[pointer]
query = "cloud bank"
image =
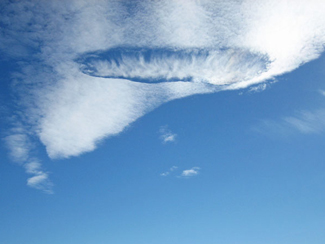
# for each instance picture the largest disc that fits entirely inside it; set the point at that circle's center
(88, 70)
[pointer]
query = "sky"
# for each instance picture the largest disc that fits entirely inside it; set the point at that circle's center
(162, 122)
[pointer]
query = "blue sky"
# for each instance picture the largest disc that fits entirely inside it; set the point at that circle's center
(174, 122)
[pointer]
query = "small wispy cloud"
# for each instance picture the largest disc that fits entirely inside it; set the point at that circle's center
(166, 135)
(20, 147)
(306, 122)
(322, 92)
(190, 172)
(173, 168)
(187, 173)
(258, 88)
(40, 179)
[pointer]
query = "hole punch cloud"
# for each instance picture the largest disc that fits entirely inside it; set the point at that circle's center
(215, 66)
(87, 71)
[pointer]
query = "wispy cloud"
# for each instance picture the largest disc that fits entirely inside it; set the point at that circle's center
(40, 179)
(258, 88)
(190, 172)
(175, 49)
(20, 147)
(173, 168)
(322, 92)
(166, 135)
(187, 173)
(306, 122)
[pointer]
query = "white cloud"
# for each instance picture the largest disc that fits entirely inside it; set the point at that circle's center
(289, 32)
(190, 172)
(213, 47)
(167, 135)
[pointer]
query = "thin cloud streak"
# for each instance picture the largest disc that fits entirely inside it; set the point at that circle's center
(308, 122)
(322, 92)
(305, 122)
(258, 88)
